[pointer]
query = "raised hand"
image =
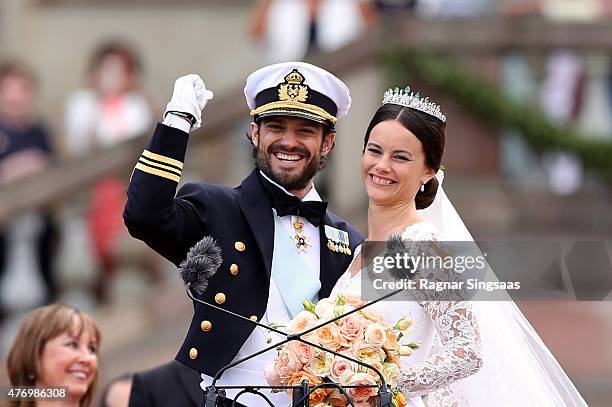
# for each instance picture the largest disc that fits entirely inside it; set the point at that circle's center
(189, 97)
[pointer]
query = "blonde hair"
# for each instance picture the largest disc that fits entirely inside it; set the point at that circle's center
(37, 328)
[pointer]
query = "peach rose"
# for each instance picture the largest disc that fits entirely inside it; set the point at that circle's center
(372, 316)
(391, 342)
(328, 336)
(359, 395)
(325, 308)
(297, 378)
(391, 373)
(351, 329)
(320, 364)
(340, 367)
(272, 376)
(303, 351)
(317, 396)
(287, 364)
(375, 335)
(368, 353)
(337, 399)
(393, 356)
(375, 364)
(302, 322)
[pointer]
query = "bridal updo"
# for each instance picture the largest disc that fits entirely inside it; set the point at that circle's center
(431, 133)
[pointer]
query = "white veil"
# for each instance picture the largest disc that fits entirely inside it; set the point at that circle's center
(518, 369)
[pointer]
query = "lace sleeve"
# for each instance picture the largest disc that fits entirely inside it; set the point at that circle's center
(460, 355)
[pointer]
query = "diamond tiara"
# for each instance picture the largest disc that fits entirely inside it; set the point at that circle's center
(405, 97)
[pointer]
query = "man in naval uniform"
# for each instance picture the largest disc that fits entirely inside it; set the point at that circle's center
(279, 243)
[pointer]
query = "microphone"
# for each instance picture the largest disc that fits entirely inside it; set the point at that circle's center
(202, 262)
(396, 245)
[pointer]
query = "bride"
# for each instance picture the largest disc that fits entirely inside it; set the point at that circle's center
(471, 353)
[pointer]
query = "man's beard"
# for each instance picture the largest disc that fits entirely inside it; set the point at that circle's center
(289, 181)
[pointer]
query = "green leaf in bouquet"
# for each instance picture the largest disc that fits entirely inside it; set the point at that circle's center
(308, 305)
(340, 301)
(414, 345)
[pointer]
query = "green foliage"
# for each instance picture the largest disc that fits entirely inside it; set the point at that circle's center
(486, 101)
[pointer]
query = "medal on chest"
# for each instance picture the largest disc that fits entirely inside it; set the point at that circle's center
(299, 236)
(337, 240)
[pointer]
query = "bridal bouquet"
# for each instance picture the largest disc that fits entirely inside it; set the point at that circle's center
(363, 335)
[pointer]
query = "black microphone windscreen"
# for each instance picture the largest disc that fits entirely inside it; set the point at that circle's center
(202, 262)
(395, 244)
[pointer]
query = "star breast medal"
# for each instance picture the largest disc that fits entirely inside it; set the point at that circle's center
(299, 237)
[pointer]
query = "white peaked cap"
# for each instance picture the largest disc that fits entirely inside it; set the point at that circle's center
(297, 89)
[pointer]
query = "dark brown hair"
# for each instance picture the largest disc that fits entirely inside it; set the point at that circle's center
(37, 328)
(119, 48)
(430, 132)
(12, 68)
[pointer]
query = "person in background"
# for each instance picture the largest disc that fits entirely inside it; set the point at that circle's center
(117, 392)
(111, 110)
(27, 241)
(56, 346)
(293, 29)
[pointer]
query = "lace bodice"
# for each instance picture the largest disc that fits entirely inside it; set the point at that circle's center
(446, 330)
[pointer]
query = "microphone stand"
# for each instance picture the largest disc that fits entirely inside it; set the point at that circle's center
(384, 393)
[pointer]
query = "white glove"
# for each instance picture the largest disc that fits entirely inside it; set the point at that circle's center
(190, 96)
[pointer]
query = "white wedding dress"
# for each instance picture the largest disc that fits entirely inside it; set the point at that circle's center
(476, 354)
(446, 331)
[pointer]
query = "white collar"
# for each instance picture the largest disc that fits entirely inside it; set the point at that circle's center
(312, 195)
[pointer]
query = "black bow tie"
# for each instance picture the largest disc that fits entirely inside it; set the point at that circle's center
(313, 211)
(285, 204)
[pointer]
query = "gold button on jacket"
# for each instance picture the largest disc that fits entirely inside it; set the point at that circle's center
(206, 326)
(234, 269)
(239, 246)
(254, 318)
(219, 298)
(193, 353)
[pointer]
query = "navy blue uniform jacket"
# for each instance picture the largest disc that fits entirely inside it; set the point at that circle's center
(237, 218)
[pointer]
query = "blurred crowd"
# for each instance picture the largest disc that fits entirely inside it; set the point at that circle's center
(113, 106)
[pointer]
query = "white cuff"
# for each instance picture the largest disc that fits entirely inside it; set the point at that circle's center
(206, 381)
(177, 122)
